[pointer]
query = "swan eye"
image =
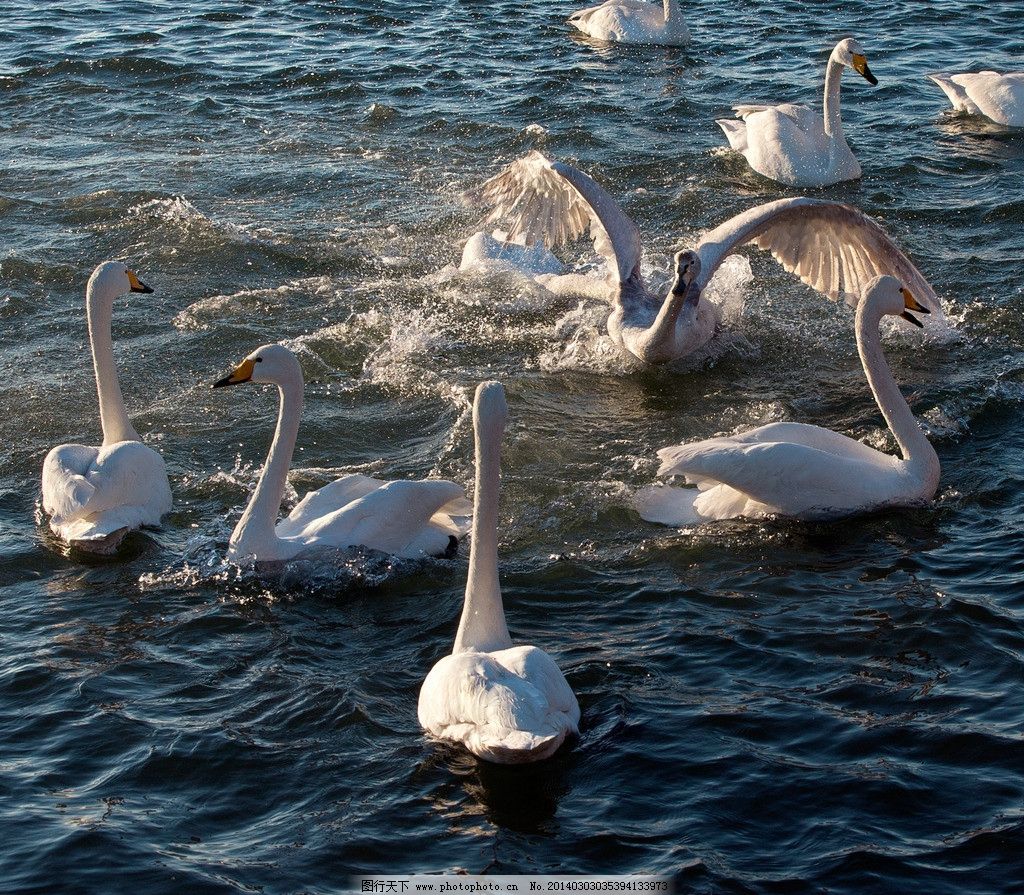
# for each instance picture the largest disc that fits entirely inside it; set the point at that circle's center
(259, 360)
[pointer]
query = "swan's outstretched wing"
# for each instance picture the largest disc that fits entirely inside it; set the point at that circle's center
(510, 706)
(833, 248)
(552, 203)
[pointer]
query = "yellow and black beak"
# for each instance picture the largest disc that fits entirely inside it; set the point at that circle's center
(912, 304)
(137, 284)
(241, 373)
(860, 65)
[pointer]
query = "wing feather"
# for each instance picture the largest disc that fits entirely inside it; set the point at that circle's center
(831, 247)
(553, 203)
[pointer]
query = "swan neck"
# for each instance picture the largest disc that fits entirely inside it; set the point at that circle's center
(833, 114)
(482, 626)
(673, 14)
(113, 414)
(255, 533)
(913, 444)
(662, 333)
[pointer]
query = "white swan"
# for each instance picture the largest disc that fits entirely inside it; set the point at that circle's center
(507, 704)
(796, 145)
(634, 22)
(833, 248)
(95, 496)
(999, 97)
(405, 518)
(808, 472)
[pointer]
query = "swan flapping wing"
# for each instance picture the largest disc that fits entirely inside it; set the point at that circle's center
(553, 203)
(835, 249)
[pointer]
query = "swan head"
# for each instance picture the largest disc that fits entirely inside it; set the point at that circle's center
(269, 363)
(849, 52)
(887, 295)
(490, 409)
(113, 278)
(687, 270)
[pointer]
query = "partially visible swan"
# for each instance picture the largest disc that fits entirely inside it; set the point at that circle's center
(634, 22)
(506, 704)
(792, 469)
(95, 496)
(405, 518)
(796, 145)
(997, 96)
(484, 250)
(833, 248)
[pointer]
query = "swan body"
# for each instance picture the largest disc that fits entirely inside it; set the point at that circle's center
(833, 248)
(795, 145)
(807, 472)
(634, 22)
(506, 704)
(999, 97)
(487, 250)
(405, 518)
(95, 495)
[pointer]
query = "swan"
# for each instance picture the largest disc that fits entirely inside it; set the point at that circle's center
(796, 145)
(634, 22)
(999, 97)
(95, 495)
(506, 704)
(404, 518)
(833, 248)
(807, 472)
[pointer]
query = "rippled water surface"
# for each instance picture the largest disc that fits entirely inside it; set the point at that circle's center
(767, 706)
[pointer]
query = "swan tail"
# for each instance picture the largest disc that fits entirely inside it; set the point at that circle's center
(735, 133)
(514, 746)
(955, 93)
(667, 505)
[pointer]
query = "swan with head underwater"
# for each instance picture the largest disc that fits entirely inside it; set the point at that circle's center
(998, 97)
(634, 22)
(506, 704)
(95, 495)
(804, 471)
(410, 519)
(833, 248)
(795, 145)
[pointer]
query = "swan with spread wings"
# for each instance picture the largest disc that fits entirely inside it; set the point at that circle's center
(835, 249)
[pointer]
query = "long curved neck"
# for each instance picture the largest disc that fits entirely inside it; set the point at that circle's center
(833, 116)
(913, 444)
(482, 626)
(673, 14)
(255, 533)
(661, 335)
(113, 415)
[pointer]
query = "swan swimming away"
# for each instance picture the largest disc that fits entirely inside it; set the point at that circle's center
(405, 518)
(833, 248)
(95, 496)
(793, 469)
(506, 704)
(999, 97)
(795, 145)
(634, 22)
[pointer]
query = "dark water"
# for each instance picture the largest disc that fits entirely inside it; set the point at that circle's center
(767, 707)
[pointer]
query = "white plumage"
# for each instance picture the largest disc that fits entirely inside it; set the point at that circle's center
(406, 518)
(95, 495)
(999, 97)
(634, 22)
(795, 145)
(804, 471)
(833, 248)
(504, 703)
